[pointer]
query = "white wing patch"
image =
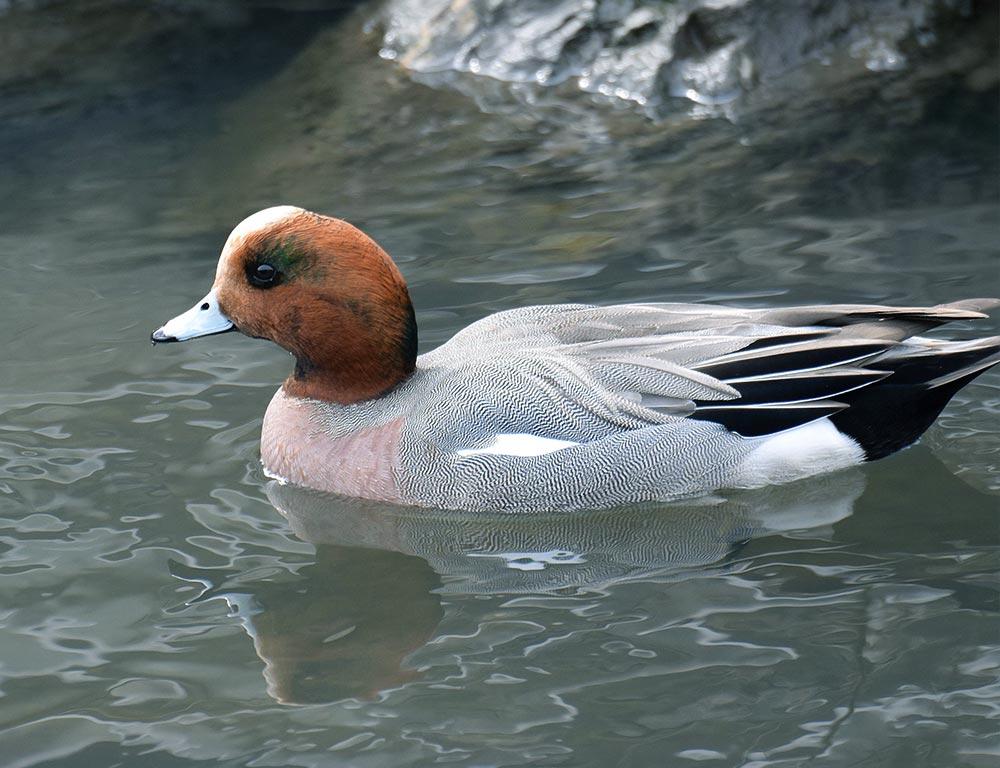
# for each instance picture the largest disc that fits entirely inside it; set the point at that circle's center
(518, 445)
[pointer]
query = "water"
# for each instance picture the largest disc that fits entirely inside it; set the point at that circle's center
(162, 604)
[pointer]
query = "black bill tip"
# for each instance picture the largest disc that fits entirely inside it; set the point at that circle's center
(159, 337)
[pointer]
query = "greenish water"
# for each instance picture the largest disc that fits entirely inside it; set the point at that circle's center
(161, 604)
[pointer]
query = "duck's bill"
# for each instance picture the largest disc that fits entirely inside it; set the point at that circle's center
(203, 319)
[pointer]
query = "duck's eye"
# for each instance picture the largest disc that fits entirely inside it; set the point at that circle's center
(263, 275)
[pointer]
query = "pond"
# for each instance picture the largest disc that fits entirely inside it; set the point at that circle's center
(163, 603)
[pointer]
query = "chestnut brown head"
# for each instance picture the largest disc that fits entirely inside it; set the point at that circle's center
(321, 289)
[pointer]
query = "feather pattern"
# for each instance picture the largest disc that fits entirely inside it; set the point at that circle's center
(651, 401)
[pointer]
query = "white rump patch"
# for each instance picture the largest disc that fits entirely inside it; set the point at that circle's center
(812, 449)
(519, 445)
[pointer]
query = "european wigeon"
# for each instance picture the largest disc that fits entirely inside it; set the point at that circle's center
(567, 406)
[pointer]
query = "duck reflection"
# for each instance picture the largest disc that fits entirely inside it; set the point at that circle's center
(373, 595)
(477, 553)
(343, 628)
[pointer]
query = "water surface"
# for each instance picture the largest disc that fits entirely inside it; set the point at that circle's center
(162, 604)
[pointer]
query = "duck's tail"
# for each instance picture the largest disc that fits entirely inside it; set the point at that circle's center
(924, 375)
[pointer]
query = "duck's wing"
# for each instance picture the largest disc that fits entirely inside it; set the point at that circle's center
(558, 324)
(755, 371)
(790, 366)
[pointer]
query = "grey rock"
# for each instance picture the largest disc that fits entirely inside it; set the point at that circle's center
(709, 52)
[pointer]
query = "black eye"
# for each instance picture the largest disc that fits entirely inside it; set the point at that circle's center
(263, 275)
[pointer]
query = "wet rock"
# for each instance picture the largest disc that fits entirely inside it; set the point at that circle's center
(710, 52)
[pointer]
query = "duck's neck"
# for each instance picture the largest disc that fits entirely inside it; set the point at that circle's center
(365, 358)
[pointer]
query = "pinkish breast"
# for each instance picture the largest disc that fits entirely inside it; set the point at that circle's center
(295, 448)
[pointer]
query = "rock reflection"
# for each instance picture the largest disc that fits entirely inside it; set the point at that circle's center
(373, 596)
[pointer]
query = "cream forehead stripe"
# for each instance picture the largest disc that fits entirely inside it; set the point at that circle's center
(259, 222)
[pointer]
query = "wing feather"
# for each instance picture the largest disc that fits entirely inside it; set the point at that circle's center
(756, 371)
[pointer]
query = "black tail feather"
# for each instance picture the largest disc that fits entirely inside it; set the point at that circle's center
(894, 412)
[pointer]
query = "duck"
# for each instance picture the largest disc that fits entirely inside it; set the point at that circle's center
(563, 407)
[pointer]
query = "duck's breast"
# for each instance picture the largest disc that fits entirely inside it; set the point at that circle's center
(296, 447)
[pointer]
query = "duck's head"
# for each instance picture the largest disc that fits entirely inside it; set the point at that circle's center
(318, 287)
